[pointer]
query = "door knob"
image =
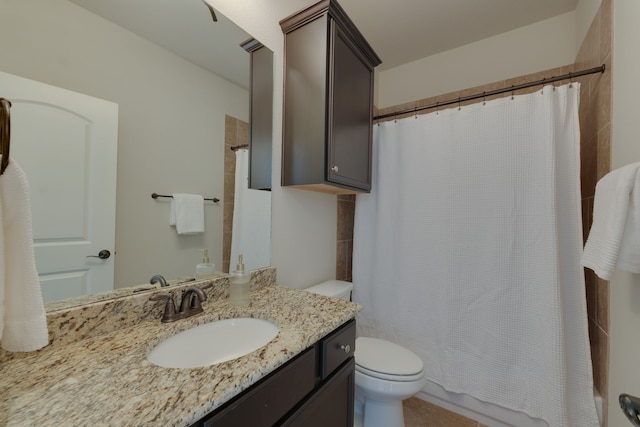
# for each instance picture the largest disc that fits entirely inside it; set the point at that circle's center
(335, 169)
(103, 254)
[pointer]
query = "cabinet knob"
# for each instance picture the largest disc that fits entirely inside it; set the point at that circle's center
(335, 168)
(346, 348)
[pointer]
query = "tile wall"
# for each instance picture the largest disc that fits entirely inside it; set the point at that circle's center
(595, 144)
(595, 151)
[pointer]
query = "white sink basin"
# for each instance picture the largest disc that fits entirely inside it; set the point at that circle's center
(213, 343)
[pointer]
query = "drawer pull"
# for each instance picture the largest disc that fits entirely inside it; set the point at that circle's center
(346, 348)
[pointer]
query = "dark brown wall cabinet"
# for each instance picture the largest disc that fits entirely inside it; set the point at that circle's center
(316, 388)
(260, 115)
(328, 102)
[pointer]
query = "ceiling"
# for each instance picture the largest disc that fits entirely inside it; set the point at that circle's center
(183, 27)
(400, 31)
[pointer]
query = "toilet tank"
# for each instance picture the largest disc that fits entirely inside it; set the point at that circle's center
(333, 288)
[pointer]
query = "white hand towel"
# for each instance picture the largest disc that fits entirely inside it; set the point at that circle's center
(614, 238)
(23, 322)
(187, 213)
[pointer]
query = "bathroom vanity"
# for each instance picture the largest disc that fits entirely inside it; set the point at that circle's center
(316, 388)
(95, 370)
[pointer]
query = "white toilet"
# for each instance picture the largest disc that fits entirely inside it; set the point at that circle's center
(386, 373)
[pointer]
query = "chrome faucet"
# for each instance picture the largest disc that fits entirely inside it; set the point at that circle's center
(191, 303)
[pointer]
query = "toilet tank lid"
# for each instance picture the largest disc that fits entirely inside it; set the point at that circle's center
(331, 288)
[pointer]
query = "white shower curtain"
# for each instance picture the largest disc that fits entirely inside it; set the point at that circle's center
(467, 251)
(251, 232)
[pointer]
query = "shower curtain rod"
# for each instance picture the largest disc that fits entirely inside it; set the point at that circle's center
(544, 81)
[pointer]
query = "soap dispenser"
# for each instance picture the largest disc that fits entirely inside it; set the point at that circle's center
(205, 269)
(240, 283)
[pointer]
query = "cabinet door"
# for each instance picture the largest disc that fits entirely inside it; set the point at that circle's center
(265, 403)
(350, 127)
(331, 405)
(260, 121)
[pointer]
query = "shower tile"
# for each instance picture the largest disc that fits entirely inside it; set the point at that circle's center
(243, 132)
(591, 293)
(587, 121)
(587, 217)
(600, 357)
(479, 89)
(537, 76)
(346, 212)
(349, 261)
(589, 53)
(604, 151)
(588, 166)
(605, 29)
(230, 131)
(601, 97)
(602, 304)
(341, 261)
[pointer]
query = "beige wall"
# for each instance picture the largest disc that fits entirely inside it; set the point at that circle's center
(540, 46)
(163, 147)
(303, 224)
(624, 370)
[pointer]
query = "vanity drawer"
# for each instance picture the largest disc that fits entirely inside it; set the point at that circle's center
(337, 347)
(271, 398)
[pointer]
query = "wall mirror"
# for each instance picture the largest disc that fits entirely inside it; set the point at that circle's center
(181, 85)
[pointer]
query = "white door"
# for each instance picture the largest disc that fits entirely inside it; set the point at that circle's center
(66, 143)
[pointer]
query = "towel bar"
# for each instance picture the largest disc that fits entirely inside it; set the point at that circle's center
(156, 195)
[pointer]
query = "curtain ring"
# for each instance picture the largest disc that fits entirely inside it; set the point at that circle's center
(512, 97)
(484, 97)
(437, 111)
(458, 103)
(570, 80)
(415, 112)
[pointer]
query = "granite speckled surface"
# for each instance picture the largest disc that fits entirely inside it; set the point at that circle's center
(104, 378)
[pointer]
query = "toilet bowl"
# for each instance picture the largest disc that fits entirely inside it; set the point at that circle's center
(386, 373)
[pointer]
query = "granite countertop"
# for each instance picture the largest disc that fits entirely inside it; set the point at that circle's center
(107, 380)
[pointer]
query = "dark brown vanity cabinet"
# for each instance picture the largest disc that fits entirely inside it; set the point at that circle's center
(328, 102)
(316, 388)
(260, 114)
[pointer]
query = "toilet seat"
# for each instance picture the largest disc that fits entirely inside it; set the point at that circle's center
(386, 360)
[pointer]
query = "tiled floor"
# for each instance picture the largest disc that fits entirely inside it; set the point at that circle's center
(418, 413)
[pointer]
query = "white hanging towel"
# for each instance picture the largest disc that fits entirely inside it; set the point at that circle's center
(251, 232)
(187, 213)
(614, 239)
(23, 321)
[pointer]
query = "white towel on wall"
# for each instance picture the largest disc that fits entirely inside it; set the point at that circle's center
(23, 322)
(614, 238)
(187, 213)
